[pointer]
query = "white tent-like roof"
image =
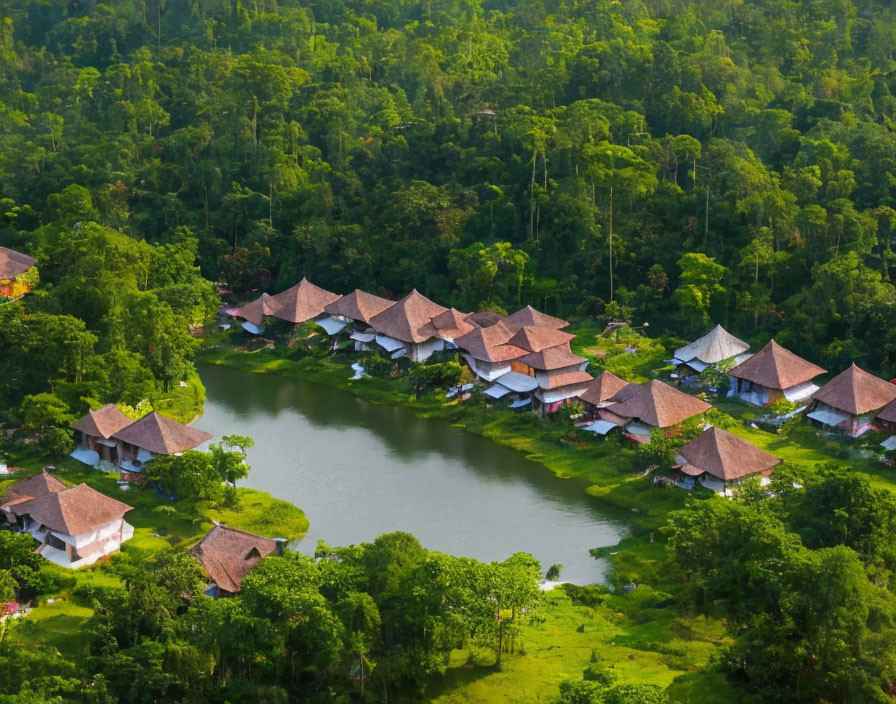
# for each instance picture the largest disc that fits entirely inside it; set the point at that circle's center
(716, 345)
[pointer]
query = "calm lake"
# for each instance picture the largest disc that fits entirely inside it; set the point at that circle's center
(359, 470)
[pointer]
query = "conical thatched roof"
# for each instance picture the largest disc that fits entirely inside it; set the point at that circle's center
(161, 435)
(13, 263)
(254, 311)
(776, 368)
(358, 305)
(301, 303)
(103, 422)
(528, 316)
(32, 488)
(660, 405)
(228, 555)
(536, 339)
(726, 456)
(490, 344)
(605, 387)
(484, 319)
(409, 320)
(716, 345)
(451, 324)
(856, 392)
(74, 511)
(552, 358)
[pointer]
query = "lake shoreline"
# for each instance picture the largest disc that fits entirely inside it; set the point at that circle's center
(623, 487)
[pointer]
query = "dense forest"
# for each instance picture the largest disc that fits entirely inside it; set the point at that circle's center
(671, 161)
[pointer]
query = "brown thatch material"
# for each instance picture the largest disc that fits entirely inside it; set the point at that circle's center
(490, 344)
(409, 320)
(660, 405)
(726, 456)
(358, 305)
(552, 358)
(74, 511)
(530, 317)
(556, 381)
(13, 263)
(31, 488)
(776, 368)
(451, 324)
(535, 339)
(484, 319)
(254, 311)
(856, 391)
(228, 555)
(888, 412)
(301, 303)
(103, 422)
(605, 387)
(161, 435)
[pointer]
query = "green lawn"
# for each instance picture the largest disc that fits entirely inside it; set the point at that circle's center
(642, 644)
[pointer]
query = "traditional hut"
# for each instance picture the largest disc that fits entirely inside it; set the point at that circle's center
(406, 328)
(451, 325)
(97, 428)
(850, 401)
(25, 490)
(488, 352)
(353, 313)
(656, 405)
(153, 435)
(296, 305)
(228, 555)
(535, 339)
(560, 374)
(528, 316)
(15, 279)
(75, 527)
(718, 345)
(717, 459)
(774, 373)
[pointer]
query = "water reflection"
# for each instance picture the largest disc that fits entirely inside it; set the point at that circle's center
(359, 470)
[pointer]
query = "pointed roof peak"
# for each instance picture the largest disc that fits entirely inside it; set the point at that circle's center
(161, 435)
(409, 319)
(856, 391)
(528, 316)
(776, 367)
(358, 305)
(716, 345)
(725, 455)
(660, 405)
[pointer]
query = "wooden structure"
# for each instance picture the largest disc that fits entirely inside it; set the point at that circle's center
(772, 374)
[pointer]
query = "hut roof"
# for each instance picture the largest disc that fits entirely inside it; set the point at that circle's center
(856, 392)
(490, 344)
(103, 422)
(536, 339)
(358, 305)
(556, 381)
(484, 319)
(301, 302)
(552, 358)
(409, 320)
(13, 263)
(716, 345)
(74, 511)
(254, 311)
(161, 435)
(605, 387)
(32, 488)
(528, 316)
(726, 456)
(451, 324)
(776, 368)
(660, 405)
(228, 555)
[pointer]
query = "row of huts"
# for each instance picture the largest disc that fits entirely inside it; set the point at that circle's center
(525, 358)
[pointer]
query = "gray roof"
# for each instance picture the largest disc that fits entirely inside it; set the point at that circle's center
(713, 347)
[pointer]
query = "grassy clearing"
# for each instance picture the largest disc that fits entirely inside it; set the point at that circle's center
(643, 644)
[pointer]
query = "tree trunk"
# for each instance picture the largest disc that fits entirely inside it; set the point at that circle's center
(611, 243)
